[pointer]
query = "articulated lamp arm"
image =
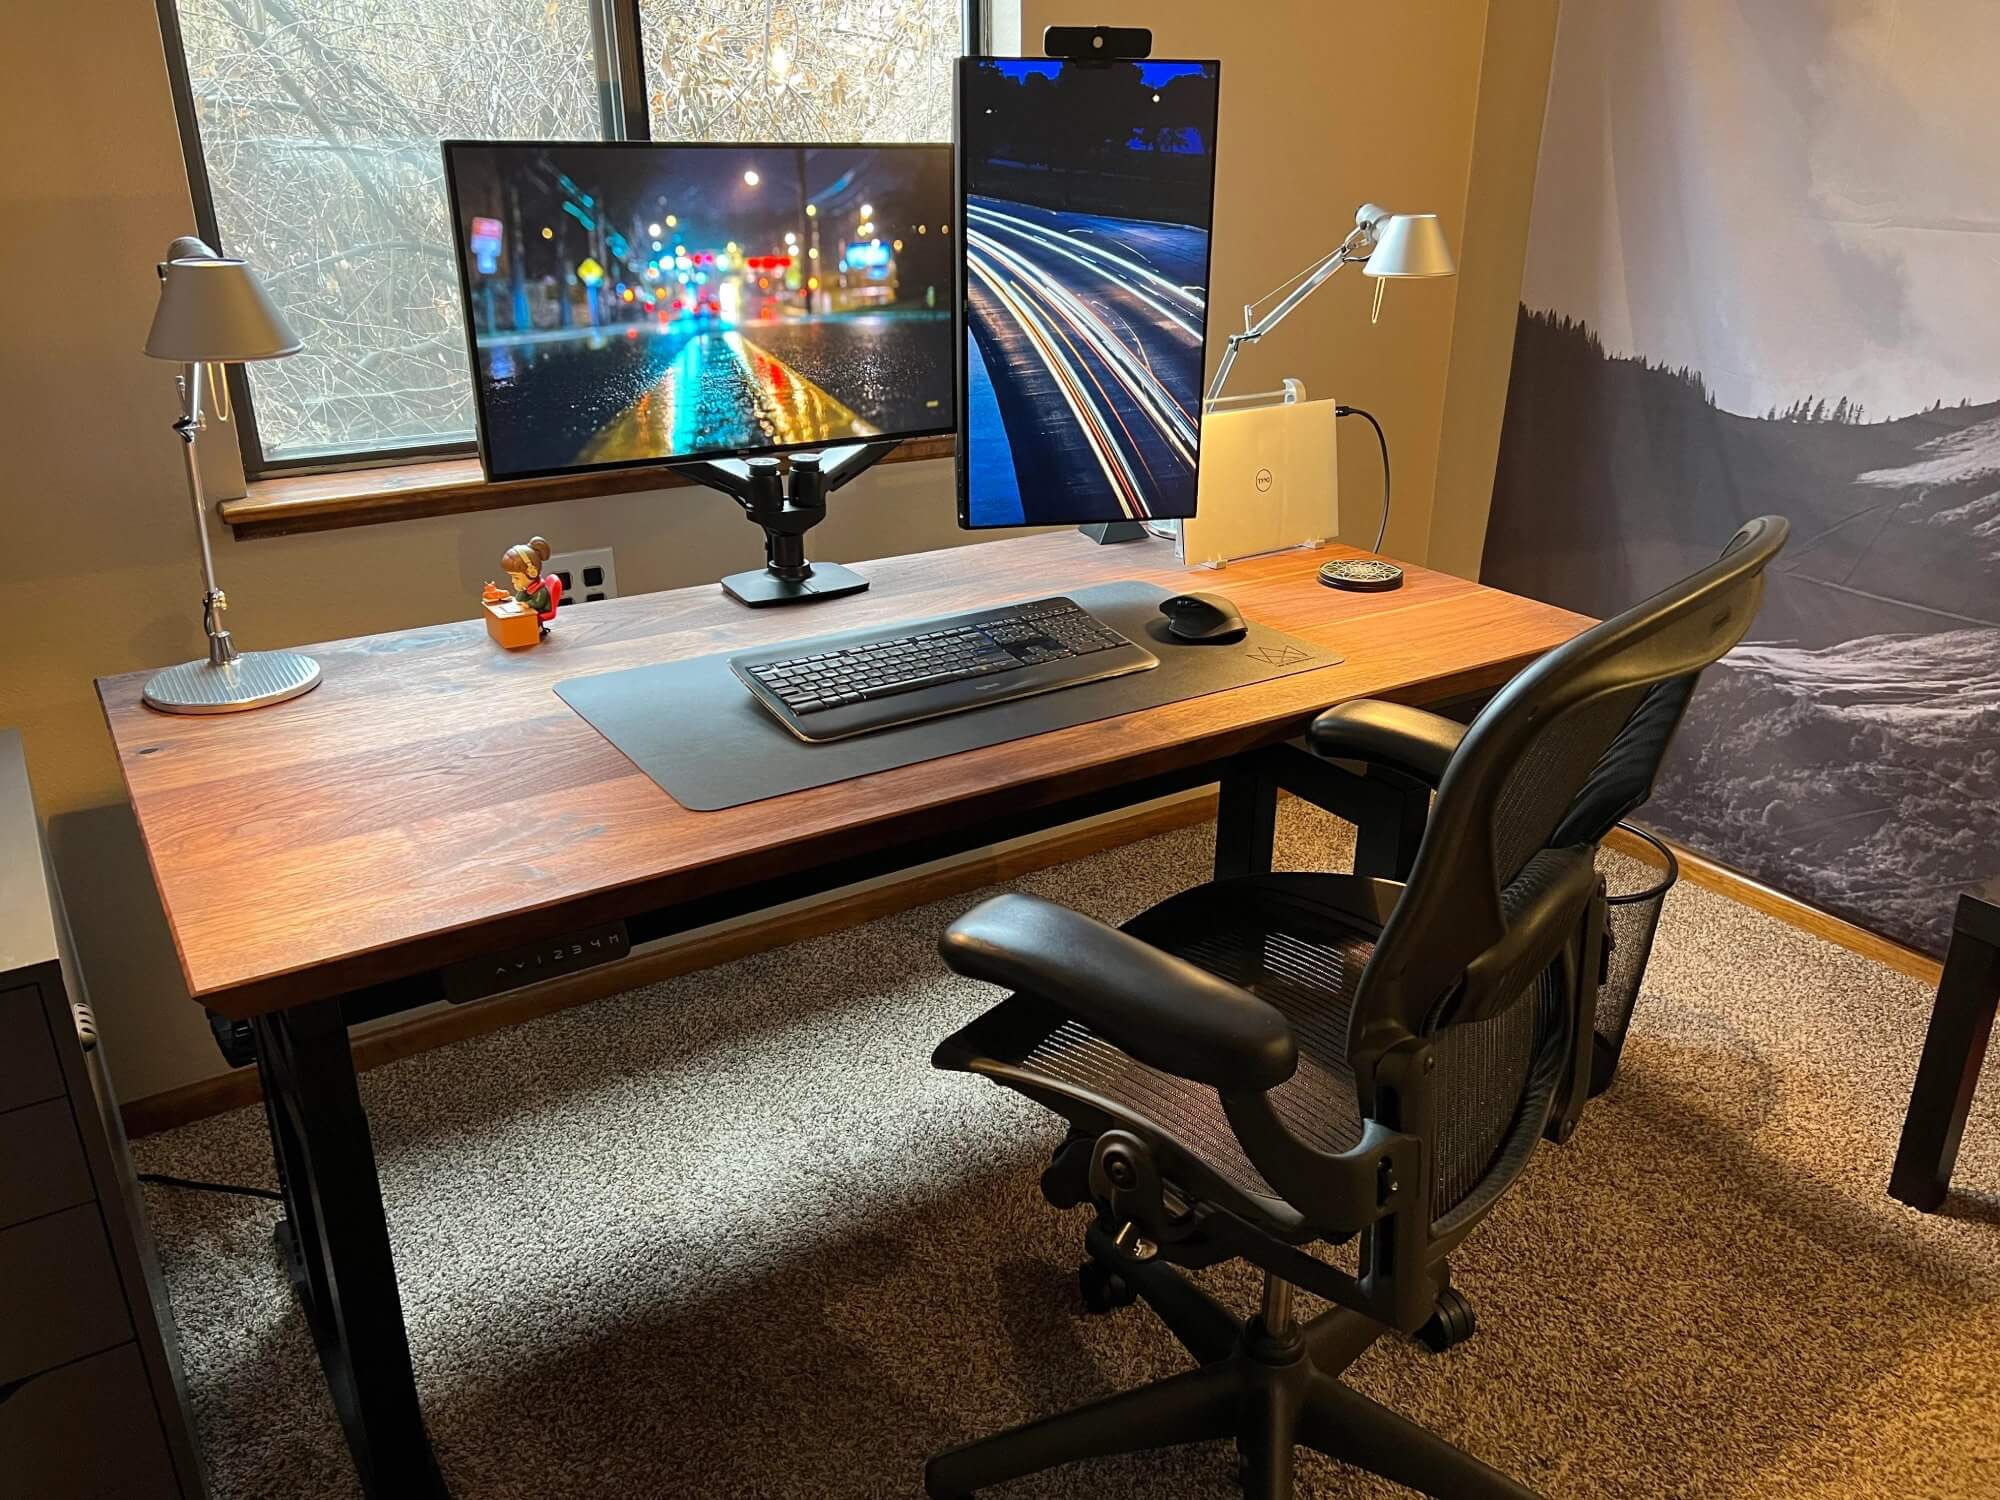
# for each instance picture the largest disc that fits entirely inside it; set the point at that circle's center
(1358, 245)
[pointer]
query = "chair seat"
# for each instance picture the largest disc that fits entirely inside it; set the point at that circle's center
(1289, 939)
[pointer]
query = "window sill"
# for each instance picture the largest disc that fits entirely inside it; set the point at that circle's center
(406, 492)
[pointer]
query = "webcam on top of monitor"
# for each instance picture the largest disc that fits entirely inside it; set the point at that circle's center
(1098, 43)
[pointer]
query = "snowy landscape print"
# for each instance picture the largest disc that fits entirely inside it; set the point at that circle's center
(1849, 754)
(1761, 275)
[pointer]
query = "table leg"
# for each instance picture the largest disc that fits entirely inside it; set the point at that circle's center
(1389, 825)
(1246, 819)
(1388, 810)
(1947, 1074)
(335, 1239)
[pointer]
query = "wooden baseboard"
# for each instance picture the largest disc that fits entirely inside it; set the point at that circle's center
(1724, 881)
(232, 1090)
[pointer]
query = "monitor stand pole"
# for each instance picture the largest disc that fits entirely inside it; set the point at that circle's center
(788, 502)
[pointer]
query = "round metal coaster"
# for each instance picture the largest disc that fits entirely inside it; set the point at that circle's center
(1363, 575)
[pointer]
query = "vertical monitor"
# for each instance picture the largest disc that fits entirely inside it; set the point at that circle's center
(632, 303)
(1086, 193)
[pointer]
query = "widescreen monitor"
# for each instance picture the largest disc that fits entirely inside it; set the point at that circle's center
(1086, 192)
(634, 303)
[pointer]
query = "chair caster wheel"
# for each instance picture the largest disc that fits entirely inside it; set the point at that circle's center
(1103, 1289)
(1453, 1322)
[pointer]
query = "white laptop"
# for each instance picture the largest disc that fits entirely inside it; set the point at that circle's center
(1269, 480)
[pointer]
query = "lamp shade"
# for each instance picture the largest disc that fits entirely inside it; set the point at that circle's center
(215, 310)
(1410, 245)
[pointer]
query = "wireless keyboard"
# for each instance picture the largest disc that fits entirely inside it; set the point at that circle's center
(935, 667)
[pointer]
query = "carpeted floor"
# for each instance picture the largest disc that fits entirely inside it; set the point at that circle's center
(731, 1236)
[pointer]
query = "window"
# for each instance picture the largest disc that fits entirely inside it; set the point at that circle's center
(312, 130)
(800, 70)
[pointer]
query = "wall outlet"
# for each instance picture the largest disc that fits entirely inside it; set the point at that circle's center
(586, 576)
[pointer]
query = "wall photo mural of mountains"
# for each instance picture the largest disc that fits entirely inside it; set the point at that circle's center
(1850, 753)
(1764, 254)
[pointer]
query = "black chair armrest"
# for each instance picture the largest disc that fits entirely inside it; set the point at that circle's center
(1164, 1011)
(1392, 735)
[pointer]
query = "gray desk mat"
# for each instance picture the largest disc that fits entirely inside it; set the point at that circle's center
(694, 729)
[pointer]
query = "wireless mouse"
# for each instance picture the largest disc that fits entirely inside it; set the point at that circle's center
(1204, 619)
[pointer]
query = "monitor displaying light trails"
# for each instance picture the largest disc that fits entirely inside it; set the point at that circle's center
(1086, 192)
(633, 303)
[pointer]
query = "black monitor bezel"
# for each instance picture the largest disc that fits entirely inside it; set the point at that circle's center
(961, 374)
(446, 147)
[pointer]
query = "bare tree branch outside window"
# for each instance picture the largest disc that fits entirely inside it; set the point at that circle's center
(800, 70)
(320, 122)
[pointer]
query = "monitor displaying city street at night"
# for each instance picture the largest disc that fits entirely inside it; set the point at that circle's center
(632, 303)
(1087, 194)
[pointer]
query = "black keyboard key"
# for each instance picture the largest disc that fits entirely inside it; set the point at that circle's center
(909, 685)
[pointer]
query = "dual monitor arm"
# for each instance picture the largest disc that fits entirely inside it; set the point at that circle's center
(787, 501)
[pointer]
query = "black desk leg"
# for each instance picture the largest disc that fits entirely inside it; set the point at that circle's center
(1388, 811)
(1246, 819)
(1389, 817)
(1954, 1048)
(335, 1240)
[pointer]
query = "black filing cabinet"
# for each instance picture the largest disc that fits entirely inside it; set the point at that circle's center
(91, 1397)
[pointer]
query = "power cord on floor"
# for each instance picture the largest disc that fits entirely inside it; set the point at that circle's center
(161, 1179)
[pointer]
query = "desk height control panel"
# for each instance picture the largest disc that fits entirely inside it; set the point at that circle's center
(91, 1395)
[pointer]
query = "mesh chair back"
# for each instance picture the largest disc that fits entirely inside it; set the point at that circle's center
(1564, 750)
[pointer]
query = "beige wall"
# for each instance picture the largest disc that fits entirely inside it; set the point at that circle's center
(99, 551)
(1500, 190)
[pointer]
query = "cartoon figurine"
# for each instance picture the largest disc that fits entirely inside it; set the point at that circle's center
(533, 589)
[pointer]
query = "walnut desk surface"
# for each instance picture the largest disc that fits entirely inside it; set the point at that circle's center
(433, 800)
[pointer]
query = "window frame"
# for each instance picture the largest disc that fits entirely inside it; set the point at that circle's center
(623, 115)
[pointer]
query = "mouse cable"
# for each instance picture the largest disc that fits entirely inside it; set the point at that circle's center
(1382, 442)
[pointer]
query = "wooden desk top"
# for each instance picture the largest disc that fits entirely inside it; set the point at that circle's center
(433, 799)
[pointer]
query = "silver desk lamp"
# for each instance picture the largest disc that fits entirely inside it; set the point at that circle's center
(214, 312)
(1386, 246)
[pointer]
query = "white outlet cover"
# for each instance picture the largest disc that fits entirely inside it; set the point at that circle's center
(573, 563)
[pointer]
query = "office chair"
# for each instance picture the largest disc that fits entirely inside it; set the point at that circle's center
(1261, 1063)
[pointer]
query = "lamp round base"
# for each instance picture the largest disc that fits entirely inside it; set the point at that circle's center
(254, 680)
(1364, 575)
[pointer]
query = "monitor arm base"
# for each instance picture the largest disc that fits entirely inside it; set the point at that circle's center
(761, 587)
(787, 501)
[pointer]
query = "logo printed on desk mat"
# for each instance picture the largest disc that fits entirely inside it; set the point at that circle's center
(1278, 655)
